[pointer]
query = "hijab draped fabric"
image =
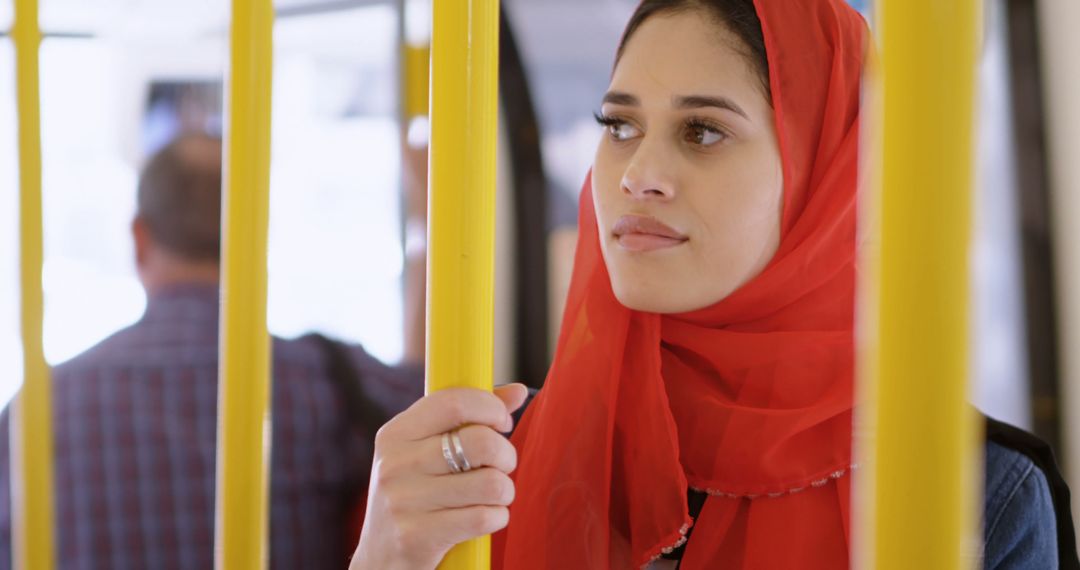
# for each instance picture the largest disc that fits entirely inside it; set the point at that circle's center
(749, 399)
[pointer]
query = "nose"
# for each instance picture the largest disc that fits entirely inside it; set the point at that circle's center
(649, 175)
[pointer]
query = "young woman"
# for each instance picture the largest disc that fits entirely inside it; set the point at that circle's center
(700, 404)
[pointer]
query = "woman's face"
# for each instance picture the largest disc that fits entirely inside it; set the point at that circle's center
(688, 183)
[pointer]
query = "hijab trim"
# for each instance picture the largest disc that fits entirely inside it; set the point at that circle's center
(812, 484)
(683, 532)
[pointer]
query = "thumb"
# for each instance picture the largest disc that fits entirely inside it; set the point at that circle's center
(513, 397)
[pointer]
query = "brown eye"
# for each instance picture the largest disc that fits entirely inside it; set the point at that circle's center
(622, 131)
(618, 129)
(702, 134)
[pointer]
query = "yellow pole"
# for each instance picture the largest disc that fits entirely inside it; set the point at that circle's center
(416, 59)
(244, 389)
(415, 105)
(31, 436)
(461, 206)
(925, 476)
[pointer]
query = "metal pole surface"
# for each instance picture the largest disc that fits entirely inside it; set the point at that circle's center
(925, 472)
(32, 434)
(461, 210)
(244, 378)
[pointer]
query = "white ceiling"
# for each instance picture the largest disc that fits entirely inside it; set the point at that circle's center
(177, 16)
(153, 18)
(565, 43)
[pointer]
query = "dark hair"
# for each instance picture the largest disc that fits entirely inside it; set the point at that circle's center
(179, 197)
(739, 16)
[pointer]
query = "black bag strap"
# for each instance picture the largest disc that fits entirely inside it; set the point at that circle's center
(362, 412)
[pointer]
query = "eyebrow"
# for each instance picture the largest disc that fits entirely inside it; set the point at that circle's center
(620, 98)
(679, 102)
(699, 101)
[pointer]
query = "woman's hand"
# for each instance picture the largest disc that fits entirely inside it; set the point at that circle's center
(418, 508)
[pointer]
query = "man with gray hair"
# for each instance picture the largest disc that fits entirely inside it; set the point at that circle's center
(136, 416)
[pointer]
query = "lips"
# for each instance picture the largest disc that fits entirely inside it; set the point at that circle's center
(645, 233)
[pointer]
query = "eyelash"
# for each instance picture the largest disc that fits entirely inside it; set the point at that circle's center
(692, 123)
(605, 121)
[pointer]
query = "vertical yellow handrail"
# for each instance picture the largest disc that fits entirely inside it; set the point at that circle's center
(244, 389)
(31, 434)
(461, 209)
(415, 90)
(416, 60)
(925, 473)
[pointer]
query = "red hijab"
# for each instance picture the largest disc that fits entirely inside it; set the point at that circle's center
(749, 399)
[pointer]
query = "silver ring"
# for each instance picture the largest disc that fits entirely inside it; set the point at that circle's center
(459, 452)
(448, 454)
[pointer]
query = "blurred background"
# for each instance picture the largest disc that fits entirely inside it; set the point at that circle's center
(120, 79)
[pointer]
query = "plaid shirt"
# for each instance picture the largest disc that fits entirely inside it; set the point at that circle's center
(136, 423)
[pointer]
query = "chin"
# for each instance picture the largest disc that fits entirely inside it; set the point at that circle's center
(662, 284)
(658, 299)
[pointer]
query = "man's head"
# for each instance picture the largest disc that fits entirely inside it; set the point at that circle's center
(177, 227)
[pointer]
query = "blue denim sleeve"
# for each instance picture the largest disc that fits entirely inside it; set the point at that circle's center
(1020, 526)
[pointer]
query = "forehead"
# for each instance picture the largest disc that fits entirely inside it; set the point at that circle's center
(686, 53)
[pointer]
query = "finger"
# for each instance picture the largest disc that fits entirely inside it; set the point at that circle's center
(449, 409)
(481, 445)
(480, 487)
(454, 526)
(513, 395)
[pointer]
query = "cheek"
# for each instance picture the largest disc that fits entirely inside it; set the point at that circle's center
(744, 195)
(741, 218)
